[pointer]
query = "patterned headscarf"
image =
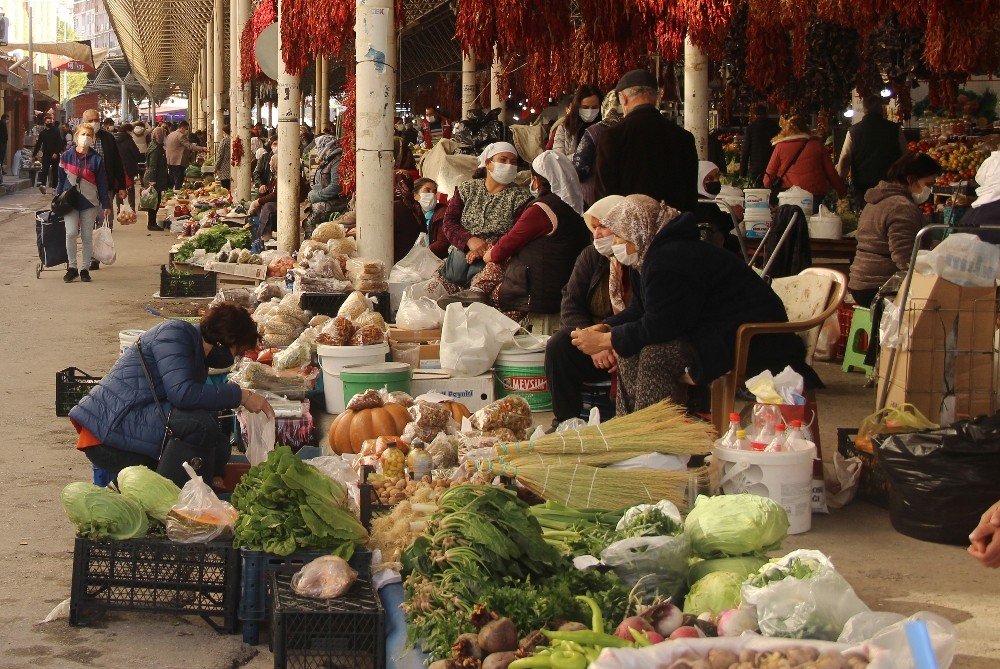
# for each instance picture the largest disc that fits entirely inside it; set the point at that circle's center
(637, 219)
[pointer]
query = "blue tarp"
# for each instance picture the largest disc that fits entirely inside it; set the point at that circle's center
(397, 655)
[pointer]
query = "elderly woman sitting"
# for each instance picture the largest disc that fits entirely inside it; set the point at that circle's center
(688, 302)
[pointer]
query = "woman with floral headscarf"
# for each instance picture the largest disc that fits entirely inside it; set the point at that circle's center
(691, 297)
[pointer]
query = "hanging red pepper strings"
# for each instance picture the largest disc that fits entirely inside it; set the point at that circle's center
(312, 28)
(348, 163)
(265, 14)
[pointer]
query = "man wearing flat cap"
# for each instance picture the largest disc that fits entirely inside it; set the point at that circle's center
(647, 153)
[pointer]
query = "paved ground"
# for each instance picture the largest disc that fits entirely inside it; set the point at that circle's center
(49, 325)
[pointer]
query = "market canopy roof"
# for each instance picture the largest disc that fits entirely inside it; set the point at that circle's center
(79, 51)
(108, 80)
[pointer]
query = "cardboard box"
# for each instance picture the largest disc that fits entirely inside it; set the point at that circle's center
(474, 392)
(432, 335)
(944, 363)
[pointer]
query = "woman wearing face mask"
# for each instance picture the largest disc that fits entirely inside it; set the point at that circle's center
(482, 210)
(585, 156)
(82, 167)
(889, 224)
(719, 221)
(156, 175)
(584, 111)
(690, 298)
(119, 423)
(425, 194)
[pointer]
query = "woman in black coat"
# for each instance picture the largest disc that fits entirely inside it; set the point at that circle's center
(131, 158)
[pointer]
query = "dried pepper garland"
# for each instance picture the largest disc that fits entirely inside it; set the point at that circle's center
(830, 68)
(236, 152)
(768, 60)
(708, 23)
(312, 28)
(957, 32)
(475, 26)
(265, 14)
(348, 141)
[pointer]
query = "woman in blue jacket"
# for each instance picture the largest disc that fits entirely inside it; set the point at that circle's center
(119, 422)
(83, 167)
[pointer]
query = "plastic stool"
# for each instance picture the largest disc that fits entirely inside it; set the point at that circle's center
(857, 341)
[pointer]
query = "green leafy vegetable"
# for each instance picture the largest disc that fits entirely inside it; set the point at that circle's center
(100, 513)
(742, 566)
(650, 523)
(714, 593)
(154, 493)
(285, 505)
(795, 568)
(733, 525)
(213, 239)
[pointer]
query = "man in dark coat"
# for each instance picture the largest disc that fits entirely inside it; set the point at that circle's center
(49, 146)
(873, 144)
(129, 152)
(646, 153)
(757, 145)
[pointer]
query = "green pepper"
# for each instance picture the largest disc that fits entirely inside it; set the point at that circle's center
(597, 623)
(566, 659)
(533, 662)
(640, 639)
(587, 638)
(591, 653)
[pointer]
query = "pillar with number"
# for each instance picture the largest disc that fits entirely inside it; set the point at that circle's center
(288, 155)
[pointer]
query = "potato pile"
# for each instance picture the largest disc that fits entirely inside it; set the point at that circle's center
(789, 658)
(389, 492)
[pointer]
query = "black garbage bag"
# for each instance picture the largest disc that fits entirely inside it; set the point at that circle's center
(465, 134)
(941, 481)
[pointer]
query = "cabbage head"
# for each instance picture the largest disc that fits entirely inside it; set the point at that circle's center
(734, 525)
(714, 593)
(154, 493)
(743, 566)
(100, 513)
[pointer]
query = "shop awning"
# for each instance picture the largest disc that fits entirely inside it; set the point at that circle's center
(80, 51)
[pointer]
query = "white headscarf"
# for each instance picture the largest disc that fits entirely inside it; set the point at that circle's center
(599, 210)
(558, 170)
(495, 148)
(988, 178)
(704, 168)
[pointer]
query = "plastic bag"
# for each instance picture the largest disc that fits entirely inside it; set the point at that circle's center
(418, 308)
(148, 200)
(660, 563)
(941, 481)
(903, 418)
(801, 596)
(199, 515)
(260, 435)
(829, 337)
(126, 215)
(885, 634)
(963, 259)
(471, 338)
(326, 577)
(355, 305)
(847, 473)
(420, 264)
(104, 246)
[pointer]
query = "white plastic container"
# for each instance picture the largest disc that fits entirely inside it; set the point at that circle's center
(756, 199)
(799, 197)
(334, 358)
(785, 477)
(826, 227)
(521, 372)
(126, 338)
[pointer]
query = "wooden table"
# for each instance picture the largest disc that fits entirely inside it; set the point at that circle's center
(835, 254)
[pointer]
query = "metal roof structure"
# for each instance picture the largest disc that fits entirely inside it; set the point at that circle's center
(108, 78)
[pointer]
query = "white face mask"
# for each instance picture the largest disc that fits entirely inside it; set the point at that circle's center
(589, 115)
(431, 119)
(503, 173)
(604, 246)
(427, 201)
(923, 195)
(623, 256)
(84, 142)
(399, 126)
(95, 125)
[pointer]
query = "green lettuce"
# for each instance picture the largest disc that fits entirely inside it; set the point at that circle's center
(742, 566)
(714, 593)
(734, 525)
(154, 493)
(100, 513)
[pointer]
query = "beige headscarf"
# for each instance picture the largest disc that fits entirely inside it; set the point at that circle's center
(637, 219)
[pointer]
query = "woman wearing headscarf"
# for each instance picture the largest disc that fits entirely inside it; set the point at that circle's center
(407, 216)
(156, 175)
(689, 300)
(719, 221)
(585, 156)
(527, 268)
(986, 208)
(482, 210)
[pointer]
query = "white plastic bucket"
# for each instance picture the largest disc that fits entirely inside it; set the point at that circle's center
(756, 198)
(799, 197)
(126, 338)
(826, 227)
(756, 228)
(334, 358)
(784, 477)
(521, 372)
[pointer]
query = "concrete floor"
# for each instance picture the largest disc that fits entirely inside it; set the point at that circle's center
(49, 325)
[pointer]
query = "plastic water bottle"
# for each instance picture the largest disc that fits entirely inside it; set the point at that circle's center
(729, 438)
(794, 439)
(742, 443)
(763, 437)
(777, 443)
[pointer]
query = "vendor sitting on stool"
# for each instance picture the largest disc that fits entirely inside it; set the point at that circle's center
(119, 422)
(586, 301)
(691, 297)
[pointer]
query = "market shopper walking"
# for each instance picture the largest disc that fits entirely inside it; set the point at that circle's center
(757, 147)
(180, 152)
(585, 156)
(872, 145)
(157, 176)
(584, 111)
(647, 153)
(129, 152)
(800, 159)
(49, 147)
(224, 168)
(83, 169)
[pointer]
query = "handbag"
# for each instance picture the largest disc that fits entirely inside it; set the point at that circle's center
(458, 270)
(65, 202)
(776, 183)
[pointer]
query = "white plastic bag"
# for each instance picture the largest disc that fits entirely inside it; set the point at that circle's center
(104, 246)
(148, 199)
(885, 634)
(816, 606)
(963, 259)
(471, 338)
(199, 516)
(419, 264)
(418, 310)
(260, 435)
(829, 337)
(326, 577)
(661, 563)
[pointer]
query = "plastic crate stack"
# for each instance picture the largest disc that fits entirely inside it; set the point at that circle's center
(186, 285)
(348, 631)
(72, 385)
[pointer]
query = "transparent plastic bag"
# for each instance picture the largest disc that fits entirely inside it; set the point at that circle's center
(885, 635)
(660, 563)
(963, 259)
(419, 264)
(104, 246)
(260, 432)
(199, 515)
(340, 469)
(418, 310)
(325, 577)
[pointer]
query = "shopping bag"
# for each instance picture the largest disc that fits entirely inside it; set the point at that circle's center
(126, 216)
(199, 516)
(471, 338)
(902, 418)
(148, 200)
(260, 431)
(963, 259)
(418, 309)
(104, 246)
(419, 264)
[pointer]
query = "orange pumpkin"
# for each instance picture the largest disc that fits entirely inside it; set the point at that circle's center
(351, 428)
(457, 409)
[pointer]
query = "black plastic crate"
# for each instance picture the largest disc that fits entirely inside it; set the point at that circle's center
(186, 285)
(258, 566)
(346, 632)
(156, 576)
(329, 304)
(72, 385)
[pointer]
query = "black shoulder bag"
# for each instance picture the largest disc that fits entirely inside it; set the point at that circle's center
(776, 184)
(65, 202)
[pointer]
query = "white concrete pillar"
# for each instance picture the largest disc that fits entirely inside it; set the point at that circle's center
(469, 101)
(218, 76)
(193, 100)
(202, 86)
(210, 79)
(288, 156)
(375, 40)
(324, 92)
(696, 96)
(498, 96)
(241, 127)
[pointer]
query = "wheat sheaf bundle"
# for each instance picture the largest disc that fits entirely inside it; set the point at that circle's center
(660, 428)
